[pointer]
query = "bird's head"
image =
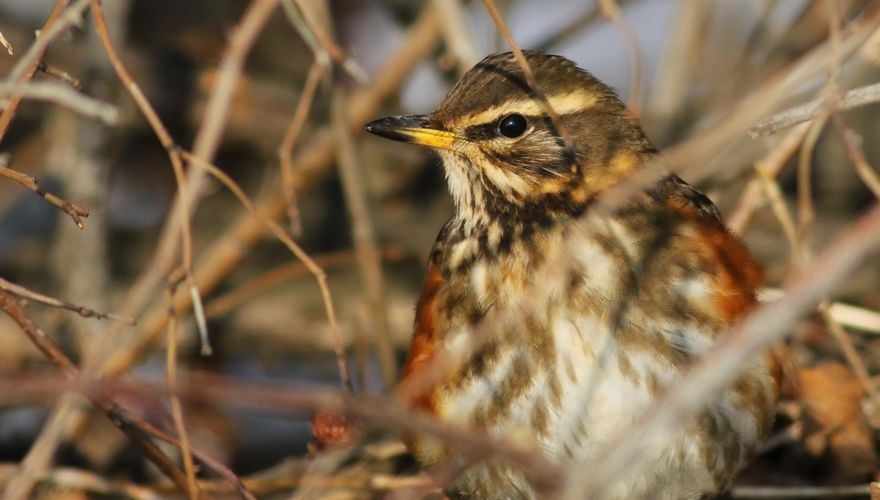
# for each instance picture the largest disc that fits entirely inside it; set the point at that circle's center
(503, 156)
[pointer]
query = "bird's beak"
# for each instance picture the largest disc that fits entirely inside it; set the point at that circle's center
(412, 129)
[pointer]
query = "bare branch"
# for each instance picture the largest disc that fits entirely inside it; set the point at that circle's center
(76, 212)
(83, 311)
(65, 96)
(855, 98)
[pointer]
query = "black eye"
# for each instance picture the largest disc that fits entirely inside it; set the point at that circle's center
(512, 125)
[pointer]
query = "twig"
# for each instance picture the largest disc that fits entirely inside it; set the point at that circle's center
(852, 143)
(767, 167)
(5, 43)
(83, 311)
(75, 480)
(285, 150)
(681, 57)
(60, 75)
(278, 231)
(364, 235)
(611, 11)
(174, 400)
(221, 305)
(76, 212)
(455, 34)
(806, 212)
(59, 20)
(855, 98)
(798, 491)
(232, 247)
(70, 371)
(852, 356)
(64, 96)
(184, 195)
(530, 79)
(325, 44)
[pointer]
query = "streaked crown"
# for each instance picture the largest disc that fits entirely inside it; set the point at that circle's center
(503, 156)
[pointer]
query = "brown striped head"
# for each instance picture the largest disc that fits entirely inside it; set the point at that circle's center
(503, 156)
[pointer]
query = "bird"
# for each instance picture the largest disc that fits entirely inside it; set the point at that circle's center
(638, 297)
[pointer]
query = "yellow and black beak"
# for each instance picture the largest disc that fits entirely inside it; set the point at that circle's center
(412, 129)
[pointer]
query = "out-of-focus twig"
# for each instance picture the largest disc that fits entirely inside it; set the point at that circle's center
(766, 168)
(852, 143)
(364, 235)
(530, 79)
(11, 307)
(5, 43)
(806, 212)
(63, 95)
(855, 98)
(781, 492)
(83, 311)
(278, 231)
(681, 57)
(58, 21)
(221, 305)
(60, 75)
(852, 356)
(184, 195)
(285, 150)
(76, 212)
(315, 34)
(611, 11)
(455, 34)
(233, 246)
(174, 400)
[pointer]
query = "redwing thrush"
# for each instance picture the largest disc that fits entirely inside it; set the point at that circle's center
(646, 292)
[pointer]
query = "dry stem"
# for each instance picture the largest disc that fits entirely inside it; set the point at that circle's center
(76, 212)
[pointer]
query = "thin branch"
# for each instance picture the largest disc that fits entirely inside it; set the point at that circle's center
(312, 163)
(83, 311)
(222, 304)
(5, 43)
(325, 42)
(174, 400)
(58, 21)
(60, 75)
(285, 150)
(779, 492)
(456, 34)
(766, 168)
(852, 143)
(849, 352)
(611, 11)
(76, 212)
(65, 96)
(530, 79)
(855, 98)
(184, 196)
(278, 231)
(364, 235)
(71, 372)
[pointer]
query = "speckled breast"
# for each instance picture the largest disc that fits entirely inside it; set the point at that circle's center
(588, 348)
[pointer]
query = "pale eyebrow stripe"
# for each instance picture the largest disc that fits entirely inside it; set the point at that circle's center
(563, 104)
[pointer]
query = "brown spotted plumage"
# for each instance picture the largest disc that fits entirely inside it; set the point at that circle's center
(644, 292)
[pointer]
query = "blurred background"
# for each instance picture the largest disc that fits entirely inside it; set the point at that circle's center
(682, 66)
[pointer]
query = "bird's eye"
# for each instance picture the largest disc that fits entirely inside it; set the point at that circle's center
(512, 125)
